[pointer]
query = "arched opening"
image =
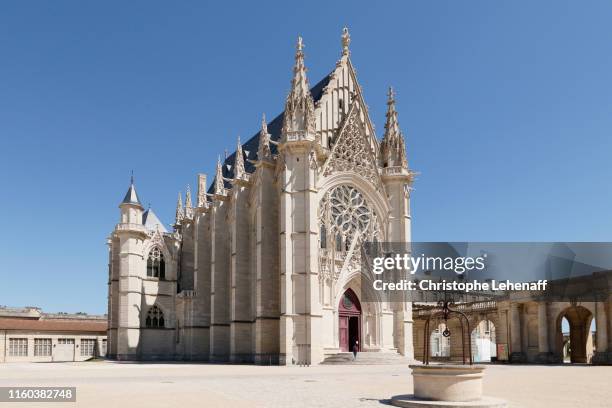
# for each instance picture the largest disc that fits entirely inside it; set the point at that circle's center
(349, 315)
(575, 335)
(565, 332)
(155, 318)
(439, 344)
(338, 243)
(156, 267)
(484, 348)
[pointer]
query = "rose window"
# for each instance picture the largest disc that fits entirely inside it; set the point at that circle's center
(346, 215)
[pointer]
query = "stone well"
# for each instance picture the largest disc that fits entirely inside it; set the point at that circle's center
(447, 385)
(448, 382)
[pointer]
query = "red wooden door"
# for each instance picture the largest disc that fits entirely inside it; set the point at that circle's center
(344, 333)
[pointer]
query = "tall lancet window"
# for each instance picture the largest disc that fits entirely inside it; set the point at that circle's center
(156, 267)
(155, 318)
(323, 237)
(338, 242)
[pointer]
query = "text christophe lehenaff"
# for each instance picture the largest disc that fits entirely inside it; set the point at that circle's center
(459, 265)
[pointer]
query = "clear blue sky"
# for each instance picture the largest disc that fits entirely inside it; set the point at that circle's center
(506, 108)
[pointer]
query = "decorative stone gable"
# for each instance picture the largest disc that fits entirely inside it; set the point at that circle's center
(352, 151)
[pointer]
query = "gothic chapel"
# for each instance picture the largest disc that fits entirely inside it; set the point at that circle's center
(265, 267)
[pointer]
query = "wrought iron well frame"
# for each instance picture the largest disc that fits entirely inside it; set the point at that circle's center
(445, 312)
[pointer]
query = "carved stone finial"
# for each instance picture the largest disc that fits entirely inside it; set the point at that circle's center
(263, 151)
(201, 190)
(188, 204)
(239, 171)
(188, 197)
(391, 96)
(264, 123)
(300, 43)
(180, 214)
(219, 187)
(346, 41)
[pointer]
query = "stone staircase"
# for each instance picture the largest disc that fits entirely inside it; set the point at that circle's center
(366, 358)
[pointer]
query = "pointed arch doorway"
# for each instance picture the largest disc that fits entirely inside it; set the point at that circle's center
(349, 315)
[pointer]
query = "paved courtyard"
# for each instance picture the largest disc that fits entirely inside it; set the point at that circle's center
(114, 385)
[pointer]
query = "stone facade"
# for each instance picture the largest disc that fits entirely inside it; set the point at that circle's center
(255, 270)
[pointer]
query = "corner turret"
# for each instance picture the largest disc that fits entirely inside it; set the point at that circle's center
(131, 208)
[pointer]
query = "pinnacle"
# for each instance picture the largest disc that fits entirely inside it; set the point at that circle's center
(219, 187)
(239, 161)
(299, 107)
(188, 197)
(179, 209)
(393, 147)
(264, 124)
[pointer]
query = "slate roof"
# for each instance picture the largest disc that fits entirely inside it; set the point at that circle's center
(252, 145)
(131, 197)
(152, 222)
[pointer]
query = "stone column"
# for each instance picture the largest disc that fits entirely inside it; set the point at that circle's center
(602, 354)
(543, 342)
(542, 327)
(524, 316)
(515, 333)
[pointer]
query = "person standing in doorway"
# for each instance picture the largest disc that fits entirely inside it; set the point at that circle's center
(355, 349)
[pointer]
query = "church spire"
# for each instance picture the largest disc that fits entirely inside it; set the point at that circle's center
(239, 161)
(299, 116)
(219, 187)
(180, 214)
(264, 151)
(393, 148)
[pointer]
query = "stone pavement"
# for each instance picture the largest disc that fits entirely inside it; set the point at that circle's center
(115, 385)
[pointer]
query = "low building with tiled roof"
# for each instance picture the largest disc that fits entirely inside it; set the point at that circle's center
(28, 334)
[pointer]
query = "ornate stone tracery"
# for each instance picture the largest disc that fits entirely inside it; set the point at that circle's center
(346, 220)
(352, 152)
